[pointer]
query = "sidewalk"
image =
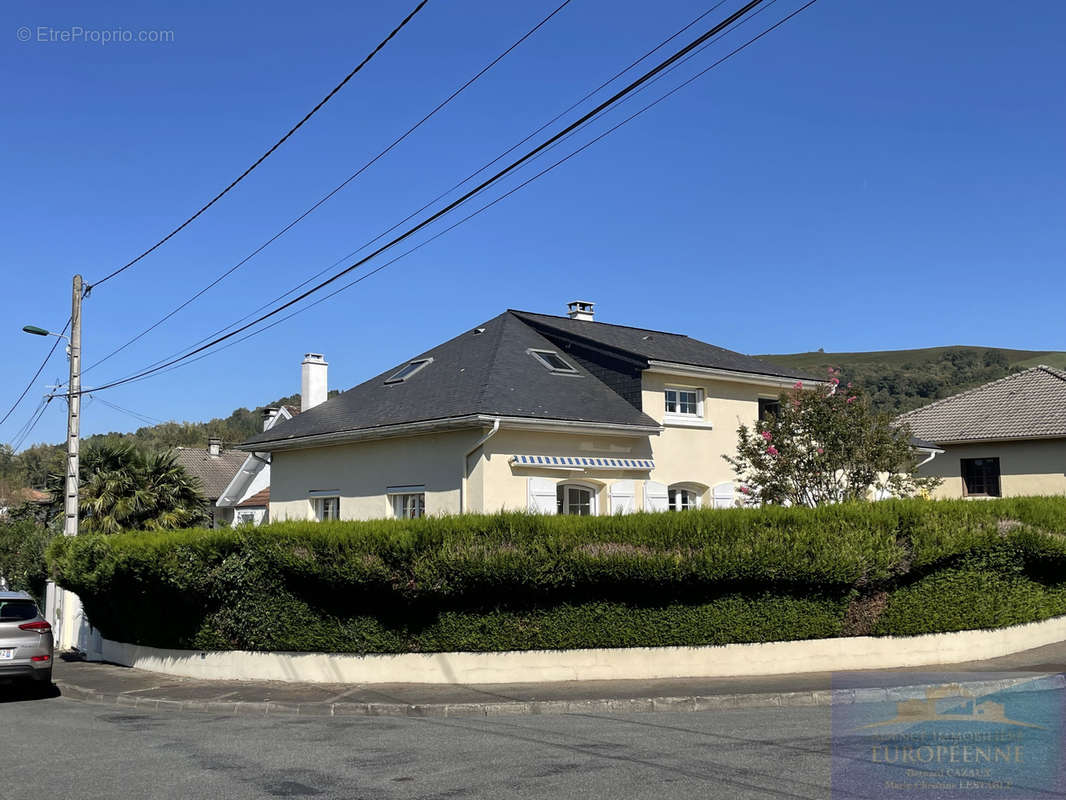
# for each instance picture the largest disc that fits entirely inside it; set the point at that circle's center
(110, 684)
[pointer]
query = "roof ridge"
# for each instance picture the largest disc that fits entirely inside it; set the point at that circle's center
(1055, 371)
(609, 324)
(966, 392)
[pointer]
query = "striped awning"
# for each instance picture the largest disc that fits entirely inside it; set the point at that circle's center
(582, 462)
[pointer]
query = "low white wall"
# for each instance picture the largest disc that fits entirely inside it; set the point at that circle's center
(637, 663)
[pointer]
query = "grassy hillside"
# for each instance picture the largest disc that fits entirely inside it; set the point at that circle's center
(900, 380)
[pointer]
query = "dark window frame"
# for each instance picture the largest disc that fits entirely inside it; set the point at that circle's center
(769, 405)
(980, 477)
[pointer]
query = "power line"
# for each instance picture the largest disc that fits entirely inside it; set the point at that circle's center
(573, 126)
(275, 146)
(37, 374)
(136, 415)
(333, 191)
(443, 194)
(543, 172)
(28, 428)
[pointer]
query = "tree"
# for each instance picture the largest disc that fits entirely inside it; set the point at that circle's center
(123, 488)
(826, 445)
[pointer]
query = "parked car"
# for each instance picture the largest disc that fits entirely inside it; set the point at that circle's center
(26, 645)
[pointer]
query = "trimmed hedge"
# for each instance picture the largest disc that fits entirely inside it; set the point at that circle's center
(518, 581)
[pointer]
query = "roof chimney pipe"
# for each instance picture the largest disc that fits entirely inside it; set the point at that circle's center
(313, 386)
(214, 446)
(582, 310)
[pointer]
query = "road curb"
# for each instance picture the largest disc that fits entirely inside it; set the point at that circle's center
(720, 702)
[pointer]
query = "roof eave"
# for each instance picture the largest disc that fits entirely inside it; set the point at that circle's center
(761, 379)
(1000, 439)
(424, 427)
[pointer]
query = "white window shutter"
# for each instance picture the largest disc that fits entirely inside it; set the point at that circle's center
(656, 496)
(723, 495)
(542, 496)
(623, 497)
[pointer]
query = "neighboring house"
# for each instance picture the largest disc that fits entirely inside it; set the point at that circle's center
(1002, 439)
(248, 493)
(525, 411)
(20, 497)
(214, 468)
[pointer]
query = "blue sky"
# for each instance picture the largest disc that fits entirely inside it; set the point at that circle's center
(869, 176)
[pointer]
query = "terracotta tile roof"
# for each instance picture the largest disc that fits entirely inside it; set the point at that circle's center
(1026, 405)
(25, 495)
(214, 472)
(259, 499)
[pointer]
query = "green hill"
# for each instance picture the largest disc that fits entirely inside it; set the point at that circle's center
(901, 380)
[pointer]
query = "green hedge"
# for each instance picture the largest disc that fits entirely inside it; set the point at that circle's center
(518, 581)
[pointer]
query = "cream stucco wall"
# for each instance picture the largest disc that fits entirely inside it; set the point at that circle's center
(360, 473)
(1026, 468)
(694, 454)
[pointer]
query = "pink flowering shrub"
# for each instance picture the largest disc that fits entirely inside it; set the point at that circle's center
(828, 447)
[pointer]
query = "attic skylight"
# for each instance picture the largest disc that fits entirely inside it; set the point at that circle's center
(553, 361)
(408, 369)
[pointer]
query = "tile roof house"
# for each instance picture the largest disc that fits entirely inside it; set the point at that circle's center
(526, 411)
(214, 468)
(248, 492)
(1007, 437)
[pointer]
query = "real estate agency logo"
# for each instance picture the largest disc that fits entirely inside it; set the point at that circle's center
(951, 741)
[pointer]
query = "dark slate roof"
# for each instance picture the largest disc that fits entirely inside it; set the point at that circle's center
(1026, 405)
(475, 373)
(214, 472)
(651, 345)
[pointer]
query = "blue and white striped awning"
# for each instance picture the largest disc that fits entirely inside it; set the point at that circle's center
(582, 462)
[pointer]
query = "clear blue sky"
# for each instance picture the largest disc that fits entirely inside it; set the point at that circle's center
(869, 176)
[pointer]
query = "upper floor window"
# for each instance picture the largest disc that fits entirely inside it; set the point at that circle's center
(769, 407)
(980, 477)
(553, 361)
(684, 402)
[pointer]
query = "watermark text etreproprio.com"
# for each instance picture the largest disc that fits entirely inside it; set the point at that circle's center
(78, 34)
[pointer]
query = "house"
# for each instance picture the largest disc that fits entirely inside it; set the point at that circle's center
(16, 498)
(248, 493)
(525, 411)
(1002, 439)
(214, 468)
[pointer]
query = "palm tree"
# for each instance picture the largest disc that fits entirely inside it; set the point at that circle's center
(123, 488)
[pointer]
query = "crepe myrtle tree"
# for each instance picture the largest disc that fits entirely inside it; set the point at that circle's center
(825, 444)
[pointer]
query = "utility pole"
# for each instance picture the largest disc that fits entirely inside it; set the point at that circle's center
(70, 521)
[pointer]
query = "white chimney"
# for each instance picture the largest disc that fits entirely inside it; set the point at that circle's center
(581, 309)
(313, 386)
(214, 446)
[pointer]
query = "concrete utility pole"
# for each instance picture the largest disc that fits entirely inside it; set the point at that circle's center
(70, 521)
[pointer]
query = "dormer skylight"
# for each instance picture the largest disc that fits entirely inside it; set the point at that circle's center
(408, 369)
(553, 361)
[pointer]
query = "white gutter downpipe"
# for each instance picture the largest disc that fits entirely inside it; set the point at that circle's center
(462, 488)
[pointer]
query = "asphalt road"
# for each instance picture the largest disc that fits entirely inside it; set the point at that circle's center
(56, 747)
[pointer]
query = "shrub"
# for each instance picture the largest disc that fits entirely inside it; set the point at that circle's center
(518, 581)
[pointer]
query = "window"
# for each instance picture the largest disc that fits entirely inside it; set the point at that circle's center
(17, 610)
(682, 499)
(769, 407)
(326, 508)
(246, 518)
(408, 370)
(684, 402)
(980, 477)
(409, 506)
(574, 500)
(553, 361)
